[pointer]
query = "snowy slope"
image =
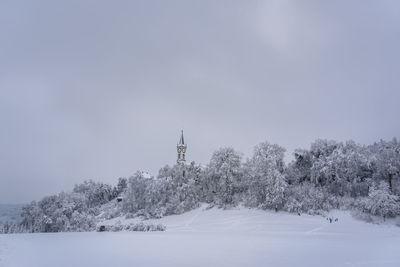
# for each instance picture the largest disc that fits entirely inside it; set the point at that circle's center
(214, 237)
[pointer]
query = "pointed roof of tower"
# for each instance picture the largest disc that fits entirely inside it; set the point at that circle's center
(181, 140)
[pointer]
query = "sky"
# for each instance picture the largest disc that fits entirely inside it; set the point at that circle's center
(100, 89)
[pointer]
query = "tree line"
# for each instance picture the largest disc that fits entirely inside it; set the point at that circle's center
(328, 175)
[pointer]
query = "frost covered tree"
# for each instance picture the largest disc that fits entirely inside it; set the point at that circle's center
(175, 190)
(306, 197)
(321, 169)
(29, 215)
(57, 213)
(387, 160)
(121, 186)
(382, 202)
(135, 196)
(224, 177)
(183, 191)
(95, 193)
(299, 170)
(343, 169)
(265, 178)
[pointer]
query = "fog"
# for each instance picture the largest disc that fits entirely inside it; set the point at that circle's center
(100, 89)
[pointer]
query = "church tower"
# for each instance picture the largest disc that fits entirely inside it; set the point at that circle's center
(181, 148)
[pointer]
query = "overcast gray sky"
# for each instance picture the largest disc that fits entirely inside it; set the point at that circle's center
(100, 89)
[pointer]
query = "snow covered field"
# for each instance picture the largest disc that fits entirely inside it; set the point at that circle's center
(238, 237)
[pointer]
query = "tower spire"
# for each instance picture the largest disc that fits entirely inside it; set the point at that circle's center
(181, 141)
(181, 148)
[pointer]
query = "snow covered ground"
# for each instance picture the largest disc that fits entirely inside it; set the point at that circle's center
(214, 237)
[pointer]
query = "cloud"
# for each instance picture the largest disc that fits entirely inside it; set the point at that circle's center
(99, 89)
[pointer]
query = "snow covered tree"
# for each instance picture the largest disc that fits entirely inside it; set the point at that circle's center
(299, 170)
(387, 159)
(382, 202)
(120, 188)
(96, 193)
(175, 190)
(264, 175)
(321, 170)
(343, 169)
(58, 213)
(135, 196)
(307, 197)
(224, 177)
(29, 214)
(181, 187)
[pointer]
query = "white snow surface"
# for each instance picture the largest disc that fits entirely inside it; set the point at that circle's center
(215, 237)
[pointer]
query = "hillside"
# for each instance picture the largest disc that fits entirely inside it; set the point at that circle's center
(216, 237)
(10, 213)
